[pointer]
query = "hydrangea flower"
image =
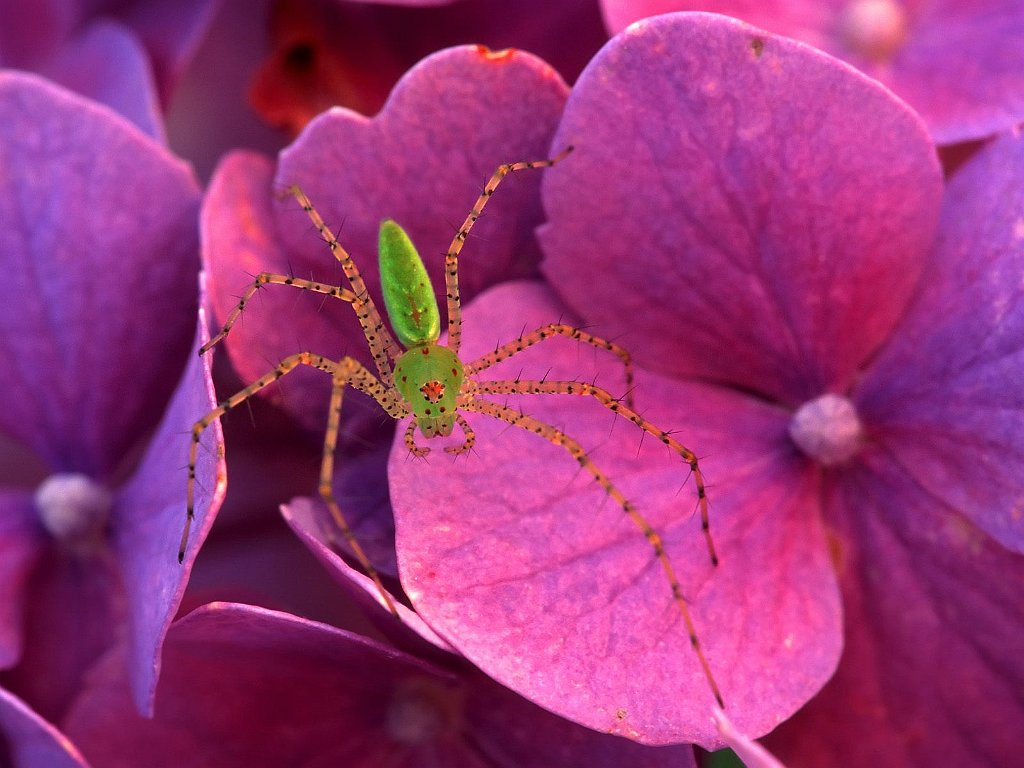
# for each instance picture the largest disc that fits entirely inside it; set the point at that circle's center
(421, 161)
(100, 256)
(757, 224)
(960, 65)
(325, 696)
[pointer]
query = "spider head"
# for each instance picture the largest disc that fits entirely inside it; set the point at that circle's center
(429, 377)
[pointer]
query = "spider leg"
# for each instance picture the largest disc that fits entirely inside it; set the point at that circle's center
(525, 387)
(451, 260)
(383, 346)
(558, 437)
(505, 351)
(267, 278)
(346, 372)
(468, 443)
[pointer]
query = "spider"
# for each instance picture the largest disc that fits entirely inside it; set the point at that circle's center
(418, 376)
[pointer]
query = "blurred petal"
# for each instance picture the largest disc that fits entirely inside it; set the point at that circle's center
(21, 542)
(150, 514)
(351, 54)
(945, 395)
(31, 742)
(522, 562)
(956, 62)
(931, 671)
(171, 30)
(749, 195)
(108, 64)
(99, 251)
(74, 611)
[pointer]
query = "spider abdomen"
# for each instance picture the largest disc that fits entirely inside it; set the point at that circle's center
(408, 292)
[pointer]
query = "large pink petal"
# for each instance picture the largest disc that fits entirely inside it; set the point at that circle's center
(735, 202)
(521, 561)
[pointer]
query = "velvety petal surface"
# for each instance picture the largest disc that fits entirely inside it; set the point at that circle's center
(99, 247)
(957, 63)
(30, 741)
(517, 556)
(931, 671)
(945, 395)
(741, 197)
(149, 514)
(327, 697)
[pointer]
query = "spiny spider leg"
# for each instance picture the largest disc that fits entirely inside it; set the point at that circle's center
(383, 346)
(268, 278)
(451, 260)
(558, 437)
(516, 346)
(526, 387)
(345, 372)
(419, 451)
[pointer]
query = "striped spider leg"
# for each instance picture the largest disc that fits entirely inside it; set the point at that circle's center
(421, 377)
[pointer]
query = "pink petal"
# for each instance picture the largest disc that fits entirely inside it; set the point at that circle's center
(738, 206)
(521, 561)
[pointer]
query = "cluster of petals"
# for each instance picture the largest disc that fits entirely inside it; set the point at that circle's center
(832, 325)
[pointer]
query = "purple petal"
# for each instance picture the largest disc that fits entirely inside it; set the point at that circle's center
(958, 64)
(149, 515)
(931, 671)
(108, 64)
(21, 542)
(766, 174)
(312, 523)
(75, 611)
(31, 742)
(326, 697)
(945, 394)
(32, 32)
(521, 561)
(171, 31)
(99, 248)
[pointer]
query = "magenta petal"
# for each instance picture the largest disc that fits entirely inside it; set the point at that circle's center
(314, 527)
(150, 513)
(252, 687)
(108, 64)
(931, 671)
(31, 742)
(959, 63)
(99, 250)
(21, 541)
(523, 563)
(737, 175)
(945, 395)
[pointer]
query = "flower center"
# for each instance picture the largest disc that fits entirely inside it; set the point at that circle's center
(875, 29)
(74, 509)
(422, 709)
(827, 429)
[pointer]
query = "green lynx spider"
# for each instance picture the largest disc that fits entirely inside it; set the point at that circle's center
(421, 377)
